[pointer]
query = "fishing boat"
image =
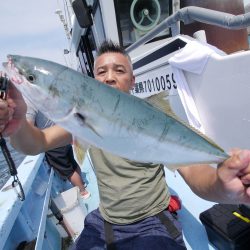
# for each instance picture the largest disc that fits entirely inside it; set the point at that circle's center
(212, 94)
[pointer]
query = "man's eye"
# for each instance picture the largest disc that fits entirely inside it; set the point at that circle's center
(100, 72)
(120, 70)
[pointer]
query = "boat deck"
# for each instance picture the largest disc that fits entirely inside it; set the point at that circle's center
(194, 232)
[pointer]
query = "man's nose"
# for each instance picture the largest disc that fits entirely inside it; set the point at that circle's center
(110, 77)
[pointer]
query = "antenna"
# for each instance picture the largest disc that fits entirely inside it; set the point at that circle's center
(65, 25)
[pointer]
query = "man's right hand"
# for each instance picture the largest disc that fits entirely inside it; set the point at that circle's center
(12, 111)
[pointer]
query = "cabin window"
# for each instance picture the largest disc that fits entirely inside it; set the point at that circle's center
(92, 36)
(86, 53)
(135, 18)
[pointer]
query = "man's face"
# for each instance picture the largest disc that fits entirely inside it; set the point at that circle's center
(115, 70)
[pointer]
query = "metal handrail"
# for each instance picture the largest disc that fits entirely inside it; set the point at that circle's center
(191, 14)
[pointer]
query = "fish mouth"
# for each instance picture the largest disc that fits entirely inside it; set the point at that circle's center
(15, 75)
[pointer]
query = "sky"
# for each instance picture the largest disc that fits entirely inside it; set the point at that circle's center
(31, 28)
(246, 2)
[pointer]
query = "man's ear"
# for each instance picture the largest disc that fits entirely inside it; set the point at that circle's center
(132, 82)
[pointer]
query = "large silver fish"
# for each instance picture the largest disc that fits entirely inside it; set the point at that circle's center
(106, 118)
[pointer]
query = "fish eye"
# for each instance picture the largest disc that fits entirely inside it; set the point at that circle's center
(31, 78)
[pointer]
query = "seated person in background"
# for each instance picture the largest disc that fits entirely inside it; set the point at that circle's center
(62, 158)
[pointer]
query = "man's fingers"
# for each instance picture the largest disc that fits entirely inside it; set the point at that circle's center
(244, 157)
(3, 104)
(3, 111)
(246, 179)
(2, 128)
(237, 165)
(240, 160)
(6, 109)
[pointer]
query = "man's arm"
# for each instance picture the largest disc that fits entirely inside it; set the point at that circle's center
(228, 183)
(31, 140)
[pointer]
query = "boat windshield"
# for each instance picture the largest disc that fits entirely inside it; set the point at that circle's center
(135, 18)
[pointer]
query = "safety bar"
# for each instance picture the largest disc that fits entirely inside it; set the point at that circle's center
(191, 14)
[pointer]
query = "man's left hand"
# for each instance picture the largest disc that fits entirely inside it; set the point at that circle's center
(234, 175)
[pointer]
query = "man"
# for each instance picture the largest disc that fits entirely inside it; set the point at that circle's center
(134, 198)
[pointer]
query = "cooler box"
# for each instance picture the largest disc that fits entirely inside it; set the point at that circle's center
(73, 210)
(225, 229)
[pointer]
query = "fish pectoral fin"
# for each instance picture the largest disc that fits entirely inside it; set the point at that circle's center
(83, 121)
(79, 148)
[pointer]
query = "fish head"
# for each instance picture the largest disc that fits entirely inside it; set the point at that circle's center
(35, 79)
(30, 70)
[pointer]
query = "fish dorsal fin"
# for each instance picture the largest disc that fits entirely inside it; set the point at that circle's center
(79, 148)
(161, 101)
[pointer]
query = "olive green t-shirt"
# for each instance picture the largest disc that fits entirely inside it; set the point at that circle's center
(129, 191)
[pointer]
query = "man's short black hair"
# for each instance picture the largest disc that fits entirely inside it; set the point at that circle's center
(111, 47)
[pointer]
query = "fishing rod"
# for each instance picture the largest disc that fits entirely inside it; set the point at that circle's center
(4, 82)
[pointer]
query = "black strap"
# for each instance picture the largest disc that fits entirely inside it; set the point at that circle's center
(171, 228)
(109, 235)
(4, 84)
